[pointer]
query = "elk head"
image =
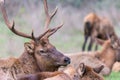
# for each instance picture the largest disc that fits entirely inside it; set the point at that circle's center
(110, 43)
(116, 46)
(40, 47)
(84, 69)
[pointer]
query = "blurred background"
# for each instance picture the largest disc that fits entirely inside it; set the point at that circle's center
(29, 15)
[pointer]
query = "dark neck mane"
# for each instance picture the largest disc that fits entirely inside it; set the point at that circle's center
(27, 63)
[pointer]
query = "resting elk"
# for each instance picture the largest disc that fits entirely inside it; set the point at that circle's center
(97, 27)
(83, 72)
(39, 54)
(39, 75)
(106, 56)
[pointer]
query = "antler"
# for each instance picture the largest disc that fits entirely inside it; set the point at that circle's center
(48, 16)
(11, 26)
(46, 34)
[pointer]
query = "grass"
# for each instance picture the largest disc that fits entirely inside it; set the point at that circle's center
(113, 76)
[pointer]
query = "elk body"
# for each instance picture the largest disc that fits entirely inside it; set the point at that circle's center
(39, 76)
(97, 27)
(66, 74)
(39, 54)
(83, 72)
(69, 73)
(106, 56)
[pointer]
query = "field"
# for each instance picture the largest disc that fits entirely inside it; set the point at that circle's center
(67, 43)
(113, 76)
(68, 39)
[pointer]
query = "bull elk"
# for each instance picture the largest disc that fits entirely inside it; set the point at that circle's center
(39, 54)
(97, 27)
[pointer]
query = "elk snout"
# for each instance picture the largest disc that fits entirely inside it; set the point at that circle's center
(67, 60)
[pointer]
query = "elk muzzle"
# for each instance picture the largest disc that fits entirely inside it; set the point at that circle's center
(62, 60)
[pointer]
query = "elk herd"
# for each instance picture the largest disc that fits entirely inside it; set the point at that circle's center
(40, 59)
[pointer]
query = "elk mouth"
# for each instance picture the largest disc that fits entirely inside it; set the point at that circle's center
(62, 64)
(65, 62)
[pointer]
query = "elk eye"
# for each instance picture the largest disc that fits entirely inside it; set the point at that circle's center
(42, 51)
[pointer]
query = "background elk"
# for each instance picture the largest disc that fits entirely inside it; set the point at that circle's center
(39, 55)
(106, 56)
(97, 27)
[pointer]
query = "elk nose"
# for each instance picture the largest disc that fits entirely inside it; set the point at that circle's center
(67, 60)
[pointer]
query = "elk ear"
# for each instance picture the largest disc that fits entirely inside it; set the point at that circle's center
(81, 69)
(99, 41)
(114, 43)
(29, 47)
(98, 69)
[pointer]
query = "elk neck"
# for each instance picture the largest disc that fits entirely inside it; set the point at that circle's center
(29, 61)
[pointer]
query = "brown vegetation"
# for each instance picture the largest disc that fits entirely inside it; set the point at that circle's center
(39, 55)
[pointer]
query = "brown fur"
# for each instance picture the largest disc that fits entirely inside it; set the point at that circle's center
(106, 57)
(88, 73)
(39, 54)
(97, 27)
(70, 73)
(26, 64)
(98, 69)
(59, 77)
(39, 76)
(67, 74)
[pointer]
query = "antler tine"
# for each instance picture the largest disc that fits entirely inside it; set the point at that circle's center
(11, 26)
(49, 32)
(43, 34)
(52, 31)
(48, 16)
